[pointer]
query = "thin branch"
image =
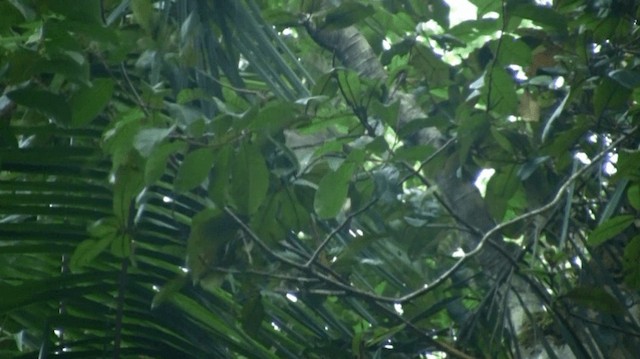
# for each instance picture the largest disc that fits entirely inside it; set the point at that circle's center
(265, 274)
(498, 48)
(605, 325)
(426, 161)
(495, 230)
(261, 243)
(133, 89)
(324, 243)
(447, 274)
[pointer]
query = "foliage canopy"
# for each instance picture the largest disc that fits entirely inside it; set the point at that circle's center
(286, 179)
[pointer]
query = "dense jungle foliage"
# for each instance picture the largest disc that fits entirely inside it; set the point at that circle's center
(319, 179)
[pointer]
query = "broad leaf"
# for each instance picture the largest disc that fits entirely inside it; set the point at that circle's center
(249, 179)
(49, 103)
(610, 229)
(597, 299)
(88, 103)
(146, 140)
(332, 191)
(633, 195)
(194, 169)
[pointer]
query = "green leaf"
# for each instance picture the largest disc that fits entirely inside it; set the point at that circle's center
(210, 231)
(609, 95)
(473, 128)
(609, 229)
(626, 78)
(194, 169)
(470, 30)
(87, 251)
(103, 233)
(512, 51)
(146, 140)
(143, 13)
(25, 9)
(631, 263)
(500, 94)
(633, 195)
(274, 117)
(46, 102)
(250, 179)
(542, 15)
(332, 191)
(595, 298)
(500, 188)
(87, 103)
(88, 11)
(219, 178)
(129, 183)
(121, 245)
(104, 227)
(157, 162)
(252, 315)
(168, 291)
(348, 13)
(486, 6)
(436, 71)
(527, 169)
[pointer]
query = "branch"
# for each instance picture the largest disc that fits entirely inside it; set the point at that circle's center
(425, 162)
(324, 243)
(499, 227)
(447, 274)
(265, 274)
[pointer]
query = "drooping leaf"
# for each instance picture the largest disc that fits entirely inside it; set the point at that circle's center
(472, 29)
(121, 245)
(194, 169)
(610, 229)
(157, 162)
(88, 103)
(220, 175)
(129, 182)
(47, 102)
(332, 191)
(146, 140)
(633, 195)
(500, 188)
(143, 13)
(210, 231)
(252, 315)
(436, 71)
(500, 92)
(542, 15)
(626, 78)
(87, 251)
(609, 95)
(250, 179)
(168, 290)
(631, 263)
(595, 298)
(486, 6)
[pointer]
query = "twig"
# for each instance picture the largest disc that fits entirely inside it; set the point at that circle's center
(324, 243)
(498, 48)
(447, 274)
(265, 274)
(499, 227)
(142, 104)
(261, 243)
(426, 161)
